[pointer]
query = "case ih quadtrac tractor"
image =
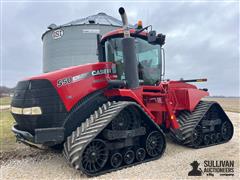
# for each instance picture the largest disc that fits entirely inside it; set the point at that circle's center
(115, 113)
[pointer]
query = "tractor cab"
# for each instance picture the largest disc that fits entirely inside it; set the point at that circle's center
(148, 54)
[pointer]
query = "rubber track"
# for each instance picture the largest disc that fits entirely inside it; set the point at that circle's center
(188, 122)
(83, 135)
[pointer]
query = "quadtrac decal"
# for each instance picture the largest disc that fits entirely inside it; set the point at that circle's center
(73, 79)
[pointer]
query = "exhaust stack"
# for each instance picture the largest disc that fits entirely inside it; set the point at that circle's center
(124, 21)
(129, 54)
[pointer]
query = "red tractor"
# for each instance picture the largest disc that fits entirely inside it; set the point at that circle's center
(115, 113)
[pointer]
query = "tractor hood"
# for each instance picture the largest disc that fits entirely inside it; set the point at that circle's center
(72, 71)
(75, 82)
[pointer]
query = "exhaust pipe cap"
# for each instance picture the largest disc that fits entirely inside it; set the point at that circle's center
(121, 10)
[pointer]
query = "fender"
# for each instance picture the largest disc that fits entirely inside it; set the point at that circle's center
(184, 96)
(82, 110)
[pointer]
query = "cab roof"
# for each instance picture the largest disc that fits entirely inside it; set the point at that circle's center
(119, 33)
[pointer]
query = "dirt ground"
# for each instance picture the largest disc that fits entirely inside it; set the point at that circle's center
(28, 163)
(230, 104)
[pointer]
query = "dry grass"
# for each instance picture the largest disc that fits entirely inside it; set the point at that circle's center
(5, 101)
(7, 139)
(228, 104)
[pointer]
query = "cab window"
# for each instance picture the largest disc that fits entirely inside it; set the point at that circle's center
(148, 57)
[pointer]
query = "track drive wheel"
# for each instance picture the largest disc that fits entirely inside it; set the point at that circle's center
(126, 120)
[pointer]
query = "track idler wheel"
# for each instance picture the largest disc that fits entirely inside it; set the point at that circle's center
(213, 138)
(218, 137)
(155, 144)
(116, 160)
(95, 156)
(206, 139)
(140, 154)
(227, 130)
(129, 157)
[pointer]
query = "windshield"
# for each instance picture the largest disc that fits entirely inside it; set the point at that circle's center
(148, 57)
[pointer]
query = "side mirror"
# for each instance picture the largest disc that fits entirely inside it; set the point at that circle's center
(161, 39)
(152, 37)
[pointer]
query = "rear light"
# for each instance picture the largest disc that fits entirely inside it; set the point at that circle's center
(27, 111)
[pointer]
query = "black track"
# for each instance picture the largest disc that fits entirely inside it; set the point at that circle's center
(123, 151)
(207, 125)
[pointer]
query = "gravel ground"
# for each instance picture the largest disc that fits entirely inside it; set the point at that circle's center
(27, 163)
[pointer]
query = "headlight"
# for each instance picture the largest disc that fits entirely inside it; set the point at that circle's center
(26, 111)
(36, 111)
(16, 110)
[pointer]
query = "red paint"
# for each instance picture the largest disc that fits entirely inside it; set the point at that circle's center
(72, 93)
(169, 98)
(161, 103)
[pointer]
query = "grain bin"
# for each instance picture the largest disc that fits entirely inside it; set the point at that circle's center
(75, 43)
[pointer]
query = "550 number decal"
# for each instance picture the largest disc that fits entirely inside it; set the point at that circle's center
(64, 81)
(69, 80)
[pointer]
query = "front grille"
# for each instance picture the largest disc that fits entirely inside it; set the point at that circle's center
(40, 93)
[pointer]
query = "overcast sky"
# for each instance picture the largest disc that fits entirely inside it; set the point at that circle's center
(202, 38)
